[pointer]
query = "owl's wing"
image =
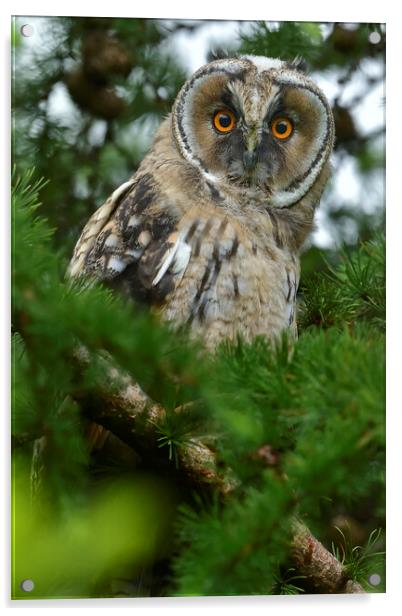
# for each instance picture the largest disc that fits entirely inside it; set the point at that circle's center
(133, 240)
(81, 261)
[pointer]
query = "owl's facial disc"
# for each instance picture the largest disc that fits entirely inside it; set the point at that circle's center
(255, 122)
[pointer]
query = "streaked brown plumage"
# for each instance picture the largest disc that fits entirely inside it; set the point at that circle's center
(209, 229)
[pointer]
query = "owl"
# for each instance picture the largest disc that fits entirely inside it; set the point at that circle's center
(209, 229)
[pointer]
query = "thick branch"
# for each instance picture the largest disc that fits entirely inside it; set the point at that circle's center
(324, 572)
(120, 405)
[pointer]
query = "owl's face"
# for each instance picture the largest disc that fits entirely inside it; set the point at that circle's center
(255, 122)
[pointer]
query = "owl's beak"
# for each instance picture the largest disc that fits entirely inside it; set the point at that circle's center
(252, 140)
(249, 159)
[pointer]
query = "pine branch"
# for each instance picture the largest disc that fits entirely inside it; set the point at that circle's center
(121, 407)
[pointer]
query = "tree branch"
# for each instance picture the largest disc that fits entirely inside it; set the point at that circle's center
(324, 572)
(120, 405)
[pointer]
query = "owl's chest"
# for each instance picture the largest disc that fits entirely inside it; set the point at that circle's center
(233, 283)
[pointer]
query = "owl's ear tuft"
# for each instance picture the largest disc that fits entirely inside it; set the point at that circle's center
(298, 64)
(219, 53)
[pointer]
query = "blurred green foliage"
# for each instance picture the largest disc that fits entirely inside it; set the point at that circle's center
(66, 556)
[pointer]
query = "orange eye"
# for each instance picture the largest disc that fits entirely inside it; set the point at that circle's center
(282, 128)
(224, 120)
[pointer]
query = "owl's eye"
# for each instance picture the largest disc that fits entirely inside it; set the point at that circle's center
(282, 128)
(224, 120)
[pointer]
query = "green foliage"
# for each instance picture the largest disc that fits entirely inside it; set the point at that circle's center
(301, 430)
(287, 41)
(284, 583)
(350, 291)
(363, 563)
(180, 429)
(237, 548)
(342, 434)
(317, 418)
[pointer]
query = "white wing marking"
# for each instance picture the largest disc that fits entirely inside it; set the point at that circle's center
(176, 259)
(116, 265)
(111, 241)
(120, 190)
(290, 290)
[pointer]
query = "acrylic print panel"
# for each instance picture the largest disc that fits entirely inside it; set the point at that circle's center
(198, 405)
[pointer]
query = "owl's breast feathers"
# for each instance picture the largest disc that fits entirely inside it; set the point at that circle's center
(196, 262)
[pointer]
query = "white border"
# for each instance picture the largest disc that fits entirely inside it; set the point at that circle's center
(342, 10)
(308, 10)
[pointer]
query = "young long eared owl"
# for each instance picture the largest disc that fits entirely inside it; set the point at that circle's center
(209, 228)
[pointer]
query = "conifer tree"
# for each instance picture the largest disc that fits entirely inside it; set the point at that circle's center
(256, 470)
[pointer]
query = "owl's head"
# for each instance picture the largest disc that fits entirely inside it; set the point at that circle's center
(255, 122)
